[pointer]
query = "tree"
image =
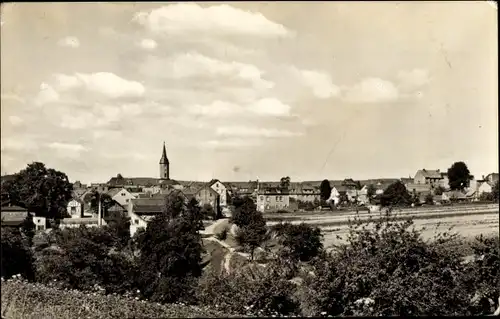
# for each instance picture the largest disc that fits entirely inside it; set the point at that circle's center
(439, 190)
(396, 195)
(429, 200)
(325, 189)
(371, 191)
(41, 190)
(494, 191)
(106, 202)
(285, 182)
(16, 254)
(459, 176)
(171, 251)
(208, 212)
(251, 223)
(300, 242)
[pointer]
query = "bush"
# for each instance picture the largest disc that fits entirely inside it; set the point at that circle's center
(16, 254)
(299, 242)
(393, 266)
(222, 235)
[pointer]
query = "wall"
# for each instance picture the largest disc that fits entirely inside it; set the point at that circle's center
(222, 191)
(123, 197)
(272, 202)
(74, 209)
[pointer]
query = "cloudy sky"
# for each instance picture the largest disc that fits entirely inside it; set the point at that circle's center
(245, 90)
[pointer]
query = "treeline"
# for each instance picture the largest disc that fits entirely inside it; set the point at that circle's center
(384, 270)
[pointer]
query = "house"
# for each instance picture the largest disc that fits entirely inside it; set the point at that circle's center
(491, 178)
(483, 187)
(75, 208)
(425, 176)
(207, 195)
(115, 212)
(143, 210)
(12, 215)
(120, 195)
(40, 223)
(272, 199)
(301, 191)
(418, 188)
(337, 193)
(242, 188)
(444, 182)
(221, 189)
(358, 195)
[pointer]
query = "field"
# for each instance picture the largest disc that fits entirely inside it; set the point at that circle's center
(467, 220)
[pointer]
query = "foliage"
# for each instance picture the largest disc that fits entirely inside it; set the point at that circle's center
(396, 195)
(106, 202)
(299, 242)
(81, 258)
(285, 182)
(325, 189)
(251, 223)
(371, 191)
(439, 190)
(429, 199)
(222, 235)
(305, 205)
(459, 176)
(16, 254)
(393, 266)
(37, 301)
(120, 228)
(43, 191)
(171, 252)
(268, 294)
(28, 228)
(488, 197)
(208, 212)
(494, 191)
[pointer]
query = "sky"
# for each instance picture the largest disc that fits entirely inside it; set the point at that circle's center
(248, 90)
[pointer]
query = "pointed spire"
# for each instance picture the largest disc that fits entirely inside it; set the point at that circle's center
(164, 158)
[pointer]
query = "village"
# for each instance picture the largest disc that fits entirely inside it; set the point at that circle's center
(140, 199)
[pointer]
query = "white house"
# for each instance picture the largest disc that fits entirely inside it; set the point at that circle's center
(483, 187)
(75, 208)
(121, 196)
(220, 189)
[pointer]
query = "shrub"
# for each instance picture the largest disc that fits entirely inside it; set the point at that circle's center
(222, 235)
(391, 264)
(299, 242)
(16, 254)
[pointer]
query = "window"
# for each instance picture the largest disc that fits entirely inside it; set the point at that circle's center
(268, 199)
(262, 198)
(126, 201)
(73, 209)
(136, 221)
(123, 194)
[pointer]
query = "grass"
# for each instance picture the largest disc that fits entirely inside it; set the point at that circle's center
(21, 299)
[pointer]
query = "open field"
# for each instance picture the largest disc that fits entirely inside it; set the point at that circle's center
(468, 221)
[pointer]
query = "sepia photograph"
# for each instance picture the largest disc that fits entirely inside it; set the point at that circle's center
(249, 159)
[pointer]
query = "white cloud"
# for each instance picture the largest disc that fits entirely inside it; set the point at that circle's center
(148, 44)
(12, 97)
(76, 122)
(270, 107)
(105, 83)
(193, 64)
(46, 95)
(319, 82)
(182, 18)
(413, 79)
(131, 109)
(215, 109)
(244, 131)
(230, 143)
(68, 149)
(17, 143)
(15, 120)
(372, 90)
(70, 42)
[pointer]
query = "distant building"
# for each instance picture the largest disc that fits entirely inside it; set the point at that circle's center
(120, 195)
(12, 215)
(272, 199)
(75, 208)
(491, 178)
(221, 189)
(207, 195)
(425, 176)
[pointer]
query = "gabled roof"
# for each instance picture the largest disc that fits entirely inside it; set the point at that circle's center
(112, 192)
(429, 173)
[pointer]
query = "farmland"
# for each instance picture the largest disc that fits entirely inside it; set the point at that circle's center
(467, 220)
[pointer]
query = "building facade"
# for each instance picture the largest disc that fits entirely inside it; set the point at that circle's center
(274, 199)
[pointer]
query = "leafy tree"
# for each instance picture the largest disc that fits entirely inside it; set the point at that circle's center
(285, 182)
(251, 222)
(16, 254)
(106, 202)
(429, 200)
(300, 242)
(41, 190)
(207, 211)
(325, 189)
(171, 251)
(396, 195)
(28, 229)
(487, 197)
(494, 191)
(459, 176)
(120, 228)
(371, 191)
(439, 190)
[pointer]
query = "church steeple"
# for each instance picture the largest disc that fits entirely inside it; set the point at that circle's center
(164, 164)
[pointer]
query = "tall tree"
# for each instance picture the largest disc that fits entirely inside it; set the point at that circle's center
(171, 251)
(44, 191)
(459, 176)
(106, 202)
(285, 182)
(325, 189)
(371, 191)
(396, 195)
(299, 242)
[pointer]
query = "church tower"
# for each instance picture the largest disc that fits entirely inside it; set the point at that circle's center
(164, 165)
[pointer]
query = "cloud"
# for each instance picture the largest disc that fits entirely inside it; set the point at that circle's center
(372, 90)
(319, 82)
(13, 97)
(230, 143)
(148, 44)
(215, 109)
(270, 107)
(244, 131)
(70, 42)
(46, 95)
(193, 64)
(182, 18)
(15, 120)
(414, 79)
(262, 107)
(17, 144)
(68, 149)
(104, 83)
